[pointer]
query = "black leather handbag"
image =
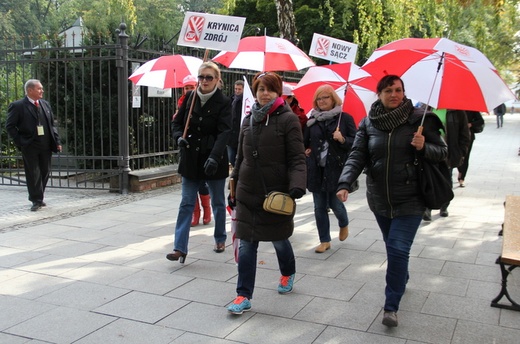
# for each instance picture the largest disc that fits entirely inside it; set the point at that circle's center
(434, 184)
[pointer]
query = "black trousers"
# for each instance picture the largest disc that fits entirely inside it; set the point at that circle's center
(37, 165)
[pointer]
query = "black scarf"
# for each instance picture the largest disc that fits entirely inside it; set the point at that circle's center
(383, 120)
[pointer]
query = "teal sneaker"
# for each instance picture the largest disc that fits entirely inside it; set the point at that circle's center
(286, 284)
(240, 305)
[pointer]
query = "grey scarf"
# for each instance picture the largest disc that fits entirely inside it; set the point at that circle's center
(259, 113)
(320, 116)
(383, 120)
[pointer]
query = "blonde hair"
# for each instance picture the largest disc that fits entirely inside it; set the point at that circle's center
(210, 65)
(326, 90)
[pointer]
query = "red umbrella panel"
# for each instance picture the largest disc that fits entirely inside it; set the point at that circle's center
(265, 53)
(353, 85)
(441, 73)
(166, 71)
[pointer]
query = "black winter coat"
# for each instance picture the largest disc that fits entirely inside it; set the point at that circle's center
(388, 161)
(208, 134)
(326, 178)
(457, 137)
(281, 161)
(22, 122)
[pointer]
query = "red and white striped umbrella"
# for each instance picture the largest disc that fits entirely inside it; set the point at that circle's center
(166, 71)
(353, 85)
(264, 54)
(441, 73)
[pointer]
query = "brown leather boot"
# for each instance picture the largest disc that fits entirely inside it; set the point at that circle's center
(206, 207)
(196, 214)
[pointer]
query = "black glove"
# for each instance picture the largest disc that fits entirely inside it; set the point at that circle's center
(182, 142)
(232, 202)
(210, 166)
(296, 193)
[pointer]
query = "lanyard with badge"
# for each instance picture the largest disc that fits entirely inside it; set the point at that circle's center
(40, 126)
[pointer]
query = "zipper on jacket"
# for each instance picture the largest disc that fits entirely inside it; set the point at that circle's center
(387, 174)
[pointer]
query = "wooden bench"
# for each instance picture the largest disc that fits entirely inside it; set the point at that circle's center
(510, 257)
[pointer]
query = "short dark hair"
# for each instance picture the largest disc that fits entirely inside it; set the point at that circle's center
(386, 81)
(272, 81)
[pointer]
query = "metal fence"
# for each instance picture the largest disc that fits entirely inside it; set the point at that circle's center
(85, 79)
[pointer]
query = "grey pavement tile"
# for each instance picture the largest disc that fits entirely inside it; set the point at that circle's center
(7, 274)
(23, 241)
(209, 270)
(469, 332)
(82, 234)
(464, 308)
(483, 290)
(472, 271)
(131, 332)
(350, 315)
(332, 288)
(16, 310)
(438, 283)
(337, 335)
(127, 240)
(88, 222)
(61, 325)
(425, 265)
(32, 285)
(321, 268)
(69, 248)
(266, 329)
(52, 265)
(510, 319)
(100, 272)
(205, 319)
(449, 254)
(419, 327)
(140, 306)
(11, 339)
(153, 282)
(468, 244)
(212, 292)
(194, 338)
(153, 262)
(366, 273)
(11, 257)
(485, 258)
(434, 241)
(83, 295)
(113, 255)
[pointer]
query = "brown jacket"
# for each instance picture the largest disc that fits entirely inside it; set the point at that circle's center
(281, 161)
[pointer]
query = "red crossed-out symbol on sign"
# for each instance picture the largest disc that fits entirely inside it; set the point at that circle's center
(322, 46)
(194, 30)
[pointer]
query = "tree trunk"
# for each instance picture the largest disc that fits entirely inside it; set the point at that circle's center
(286, 21)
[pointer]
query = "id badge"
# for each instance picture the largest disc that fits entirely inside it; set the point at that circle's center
(40, 130)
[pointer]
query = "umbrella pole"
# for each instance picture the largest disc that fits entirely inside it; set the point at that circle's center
(193, 99)
(420, 129)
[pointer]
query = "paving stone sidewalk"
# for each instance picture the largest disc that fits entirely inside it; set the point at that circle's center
(90, 268)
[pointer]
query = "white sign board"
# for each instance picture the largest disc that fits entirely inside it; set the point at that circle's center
(247, 100)
(211, 31)
(159, 92)
(332, 49)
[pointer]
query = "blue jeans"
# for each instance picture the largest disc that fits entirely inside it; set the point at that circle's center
(247, 254)
(398, 234)
(190, 187)
(232, 155)
(323, 200)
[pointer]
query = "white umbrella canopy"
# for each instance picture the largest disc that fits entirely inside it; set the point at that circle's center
(166, 71)
(264, 54)
(441, 73)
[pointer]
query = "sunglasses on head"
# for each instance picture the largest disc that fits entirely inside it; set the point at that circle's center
(206, 77)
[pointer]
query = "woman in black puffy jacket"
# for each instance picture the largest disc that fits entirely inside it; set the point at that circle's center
(386, 145)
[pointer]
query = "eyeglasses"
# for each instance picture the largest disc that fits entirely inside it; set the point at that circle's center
(322, 98)
(206, 77)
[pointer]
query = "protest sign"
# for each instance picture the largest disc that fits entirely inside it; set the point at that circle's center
(333, 49)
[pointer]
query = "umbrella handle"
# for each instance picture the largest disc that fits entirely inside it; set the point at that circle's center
(420, 129)
(189, 112)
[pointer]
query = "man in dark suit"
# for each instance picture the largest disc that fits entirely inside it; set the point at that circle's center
(30, 123)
